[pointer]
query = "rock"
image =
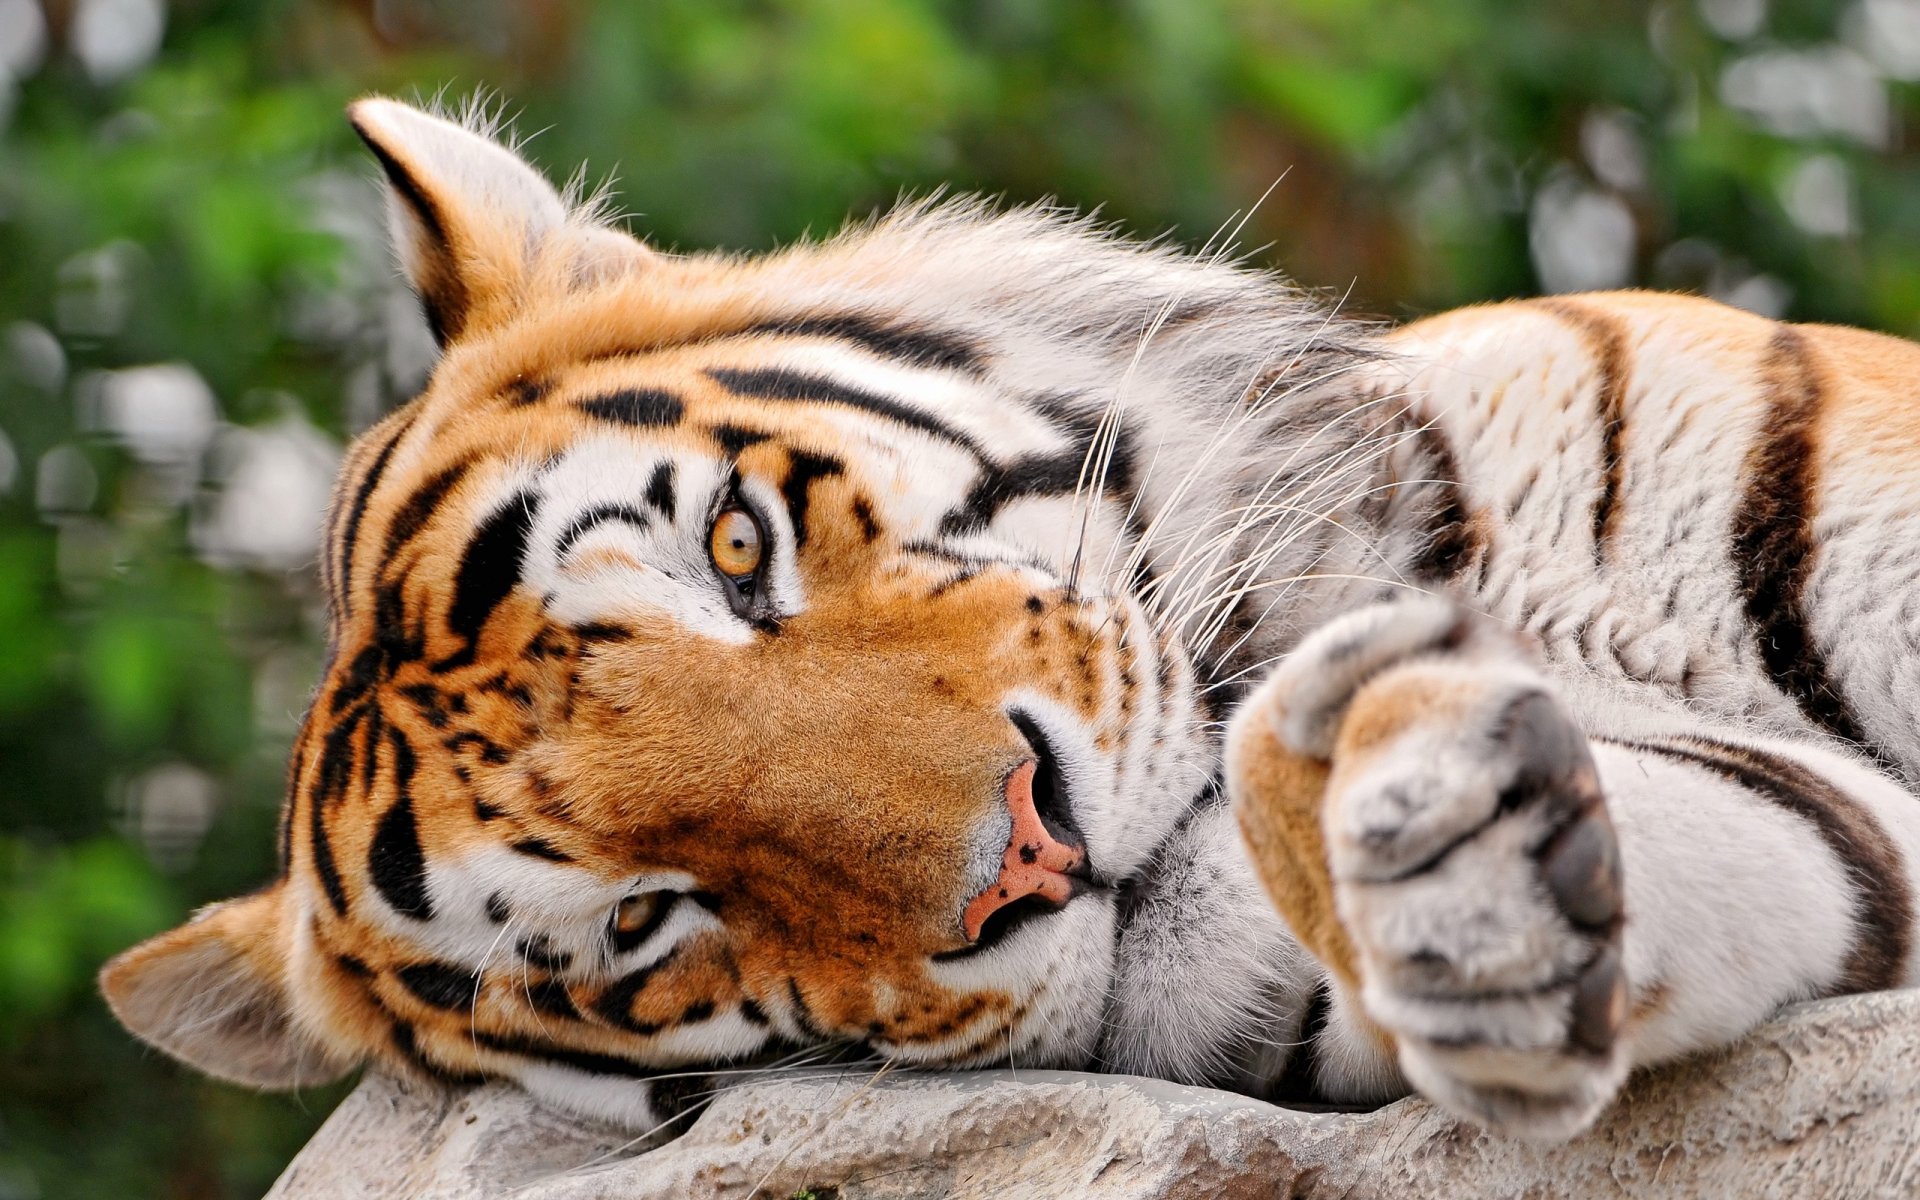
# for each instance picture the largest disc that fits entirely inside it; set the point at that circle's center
(1822, 1102)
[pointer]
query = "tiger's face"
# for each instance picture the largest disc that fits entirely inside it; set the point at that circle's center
(730, 736)
(717, 667)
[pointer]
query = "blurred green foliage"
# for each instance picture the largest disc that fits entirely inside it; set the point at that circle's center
(196, 312)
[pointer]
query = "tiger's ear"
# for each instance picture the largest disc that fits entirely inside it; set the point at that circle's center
(473, 223)
(212, 994)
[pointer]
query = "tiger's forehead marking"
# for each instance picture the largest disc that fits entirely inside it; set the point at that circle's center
(774, 372)
(935, 460)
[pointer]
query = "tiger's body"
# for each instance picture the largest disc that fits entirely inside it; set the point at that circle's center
(1585, 747)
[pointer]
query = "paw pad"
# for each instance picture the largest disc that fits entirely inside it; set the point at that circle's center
(1581, 866)
(1599, 1004)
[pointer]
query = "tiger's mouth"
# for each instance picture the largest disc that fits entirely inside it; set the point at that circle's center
(1013, 917)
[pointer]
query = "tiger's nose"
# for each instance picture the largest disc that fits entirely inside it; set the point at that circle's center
(1036, 863)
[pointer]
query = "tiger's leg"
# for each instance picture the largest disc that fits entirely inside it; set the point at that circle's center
(1519, 911)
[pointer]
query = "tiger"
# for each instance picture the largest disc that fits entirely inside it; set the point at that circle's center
(977, 638)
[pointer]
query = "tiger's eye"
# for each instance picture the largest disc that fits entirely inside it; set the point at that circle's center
(634, 913)
(736, 544)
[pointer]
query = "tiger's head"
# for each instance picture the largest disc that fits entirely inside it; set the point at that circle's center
(729, 654)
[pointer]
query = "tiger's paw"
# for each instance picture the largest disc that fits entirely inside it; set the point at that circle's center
(1470, 860)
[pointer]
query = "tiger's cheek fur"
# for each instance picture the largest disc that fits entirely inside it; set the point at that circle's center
(838, 791)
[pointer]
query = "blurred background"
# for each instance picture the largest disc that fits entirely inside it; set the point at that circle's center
(197, 311)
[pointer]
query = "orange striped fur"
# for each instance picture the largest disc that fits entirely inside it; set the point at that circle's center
(1135, 667)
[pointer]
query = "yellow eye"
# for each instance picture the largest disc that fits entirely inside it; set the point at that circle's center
(736, 544)
(636, 913)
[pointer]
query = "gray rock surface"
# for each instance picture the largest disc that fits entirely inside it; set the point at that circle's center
(1823, 1102)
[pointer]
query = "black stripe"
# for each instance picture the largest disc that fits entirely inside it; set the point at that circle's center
(1772, 539)
(1452, 540)
(358, 678)
(1056, 474)
(550, 997)
(406, 1042)
(863, 516)
(602, 631)
(615, 1005)
(953, 581)
(1609, 348)
(1082, 426)
(643, 408)
(419, 509)
(1877, 960)
(370, 749)
(798, 387)
(660, 489)
(349, 535)
(427, 699)
(443, 306)
(935, 550)
(802, 469)
(323, 864)
(921, 347)
(488, 572)
(524, 392)
(402, 641)
(538, 950)
(1037, 475)
(440, 984)
(733, 439)
(490, 751)
(283, 841)
(1297, 1081)
(500, 683)
(599, 514)
(332, 774)
(442, 291)
(579, 1060)
(802, 1011)
(404, 183)
(395, 863)
(541, 848)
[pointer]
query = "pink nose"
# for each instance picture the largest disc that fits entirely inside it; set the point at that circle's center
(1035, 864)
